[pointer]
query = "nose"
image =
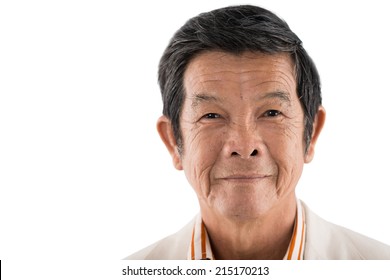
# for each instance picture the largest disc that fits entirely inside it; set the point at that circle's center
(243, 142)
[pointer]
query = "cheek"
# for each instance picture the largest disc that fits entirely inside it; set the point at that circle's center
(287, 150)
(200, 153)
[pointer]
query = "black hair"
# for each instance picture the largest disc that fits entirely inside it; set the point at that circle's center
(235, 29)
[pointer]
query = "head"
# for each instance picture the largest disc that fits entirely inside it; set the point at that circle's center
(232, 146)
(235, 30)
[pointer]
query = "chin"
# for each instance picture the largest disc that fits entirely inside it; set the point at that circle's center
(243, 203)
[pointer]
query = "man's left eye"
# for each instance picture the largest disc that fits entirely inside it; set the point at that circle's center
(272, 113)
(212, 116)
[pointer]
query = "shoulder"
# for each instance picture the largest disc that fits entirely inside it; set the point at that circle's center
(172, 247)
(325, 240)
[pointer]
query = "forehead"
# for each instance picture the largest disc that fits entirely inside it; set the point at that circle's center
(225, 72)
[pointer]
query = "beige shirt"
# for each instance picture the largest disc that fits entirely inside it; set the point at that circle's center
(323, 241)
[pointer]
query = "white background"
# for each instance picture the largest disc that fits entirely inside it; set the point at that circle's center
(83, 173)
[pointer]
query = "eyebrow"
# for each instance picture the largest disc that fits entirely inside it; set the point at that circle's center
(283, 96)
(204, 97)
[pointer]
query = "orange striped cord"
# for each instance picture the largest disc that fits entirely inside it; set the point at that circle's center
(203, 240)
(292, 245)
(193, 245)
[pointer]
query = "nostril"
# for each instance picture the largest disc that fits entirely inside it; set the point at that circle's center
(234, 154)
(254, 153)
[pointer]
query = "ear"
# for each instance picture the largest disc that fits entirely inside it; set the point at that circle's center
(319, 122)
(164, 128)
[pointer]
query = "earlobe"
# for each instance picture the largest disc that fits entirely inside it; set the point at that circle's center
(317, 127)
(165, 130)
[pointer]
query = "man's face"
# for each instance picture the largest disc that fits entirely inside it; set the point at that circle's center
(242, 127)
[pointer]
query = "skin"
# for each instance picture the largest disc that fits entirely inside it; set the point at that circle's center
(243, 149)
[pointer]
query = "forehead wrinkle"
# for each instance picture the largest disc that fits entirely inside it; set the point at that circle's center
(288, 78)
(277, 93)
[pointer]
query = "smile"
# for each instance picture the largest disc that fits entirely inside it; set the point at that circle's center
(245, 177)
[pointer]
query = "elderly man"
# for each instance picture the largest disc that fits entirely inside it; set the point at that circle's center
(242, 114)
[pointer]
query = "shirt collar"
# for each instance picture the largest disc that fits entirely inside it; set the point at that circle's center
(200, 248)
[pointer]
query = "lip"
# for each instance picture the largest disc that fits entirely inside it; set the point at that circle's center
(245, 177)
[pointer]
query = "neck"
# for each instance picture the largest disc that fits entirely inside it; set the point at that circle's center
(263, 238)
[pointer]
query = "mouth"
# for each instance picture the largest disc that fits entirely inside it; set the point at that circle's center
(243, 178)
